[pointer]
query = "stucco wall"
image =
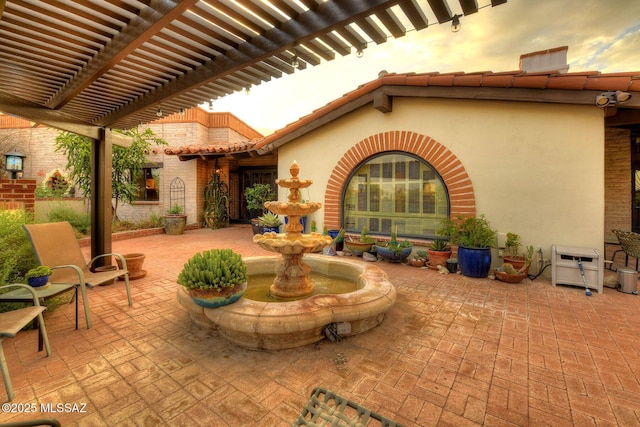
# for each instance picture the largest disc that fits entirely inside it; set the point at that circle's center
(536, 169)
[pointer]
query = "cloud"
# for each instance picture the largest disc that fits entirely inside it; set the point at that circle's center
(601, 35)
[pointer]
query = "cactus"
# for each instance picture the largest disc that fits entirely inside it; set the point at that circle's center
(213, 269)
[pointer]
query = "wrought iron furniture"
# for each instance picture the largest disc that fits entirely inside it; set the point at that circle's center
(326, 408)
(630, 243)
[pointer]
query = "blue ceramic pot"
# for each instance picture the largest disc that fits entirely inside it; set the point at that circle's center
(392, 254)
(36, 282)
(213, 299)
(474, 262)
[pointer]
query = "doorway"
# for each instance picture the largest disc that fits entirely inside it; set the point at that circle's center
(249, 177)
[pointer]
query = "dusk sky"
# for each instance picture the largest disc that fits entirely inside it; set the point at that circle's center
(602, 35)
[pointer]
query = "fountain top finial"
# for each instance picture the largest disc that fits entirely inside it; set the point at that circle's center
(294, 169)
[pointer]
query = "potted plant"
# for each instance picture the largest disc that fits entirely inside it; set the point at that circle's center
(364, 244)
(214, 278)
(474, 237)
(439, 252)
(270, 222)
(38, 276)
(512, 253)
(510, 274)
(174, 220)
(419, 259)
(255, 197)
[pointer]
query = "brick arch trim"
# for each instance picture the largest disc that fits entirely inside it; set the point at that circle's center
(450, 168)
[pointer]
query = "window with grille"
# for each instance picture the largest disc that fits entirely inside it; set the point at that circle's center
(395, 192)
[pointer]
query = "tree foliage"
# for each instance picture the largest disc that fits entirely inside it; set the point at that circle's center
(126, 164)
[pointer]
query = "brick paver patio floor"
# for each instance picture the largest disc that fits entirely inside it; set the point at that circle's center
(453, 351)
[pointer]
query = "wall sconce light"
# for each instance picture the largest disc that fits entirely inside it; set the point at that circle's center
(608, 99)
(295, 63)
(455, 23)
(14, 163)
(360, 50)
(182, 111)
(159, 112)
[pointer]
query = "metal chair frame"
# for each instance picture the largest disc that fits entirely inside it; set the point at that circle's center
(630, 243)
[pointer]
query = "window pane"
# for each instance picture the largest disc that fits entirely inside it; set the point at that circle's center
(148, 182)
(395, 191)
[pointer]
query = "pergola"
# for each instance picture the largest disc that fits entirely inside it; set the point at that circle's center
(87, 66)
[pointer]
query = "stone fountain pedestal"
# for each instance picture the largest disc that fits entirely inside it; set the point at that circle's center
(292, 274)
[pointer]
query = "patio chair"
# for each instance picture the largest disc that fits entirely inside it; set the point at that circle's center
(326, 408)
(630, 243)
(55, 244)
(11, 322)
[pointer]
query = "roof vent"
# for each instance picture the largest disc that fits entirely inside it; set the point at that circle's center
(545, 61)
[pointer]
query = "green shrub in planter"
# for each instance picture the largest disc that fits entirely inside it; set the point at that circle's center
(213, 269)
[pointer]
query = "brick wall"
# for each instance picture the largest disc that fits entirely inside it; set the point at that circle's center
(453, 173)
(18, 194)
(617, 191)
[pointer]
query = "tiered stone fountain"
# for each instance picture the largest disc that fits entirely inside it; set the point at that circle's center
(287, 324)
(292, 275)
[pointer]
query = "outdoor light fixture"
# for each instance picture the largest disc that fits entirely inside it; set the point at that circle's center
(608, 99)
(360, 51)
(182, 111)
(14, 163)
(294, 62)
(159, 112)
(455, 23)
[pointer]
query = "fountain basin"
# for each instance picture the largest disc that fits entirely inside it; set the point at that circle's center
(281, 325)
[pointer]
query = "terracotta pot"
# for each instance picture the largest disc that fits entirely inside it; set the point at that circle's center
(416, 262)
(437, 258)
(134, 265)
(516, 261)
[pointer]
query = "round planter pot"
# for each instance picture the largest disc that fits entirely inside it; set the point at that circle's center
(474, 262)
(174, 224)
(357, 248)
(392, 254)
(416, 262)
(36, 282)
(438, 257)
(134, 265)
(516, 261)
(255, 226)
(210, 298)
(452, 265)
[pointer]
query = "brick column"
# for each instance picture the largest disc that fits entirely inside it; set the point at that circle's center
(18, 194)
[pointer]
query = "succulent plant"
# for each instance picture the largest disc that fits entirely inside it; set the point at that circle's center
(213, 269)
(40, 271)
(270, 220)
(440, 245)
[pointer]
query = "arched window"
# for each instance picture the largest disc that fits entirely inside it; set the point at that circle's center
(395, 192)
